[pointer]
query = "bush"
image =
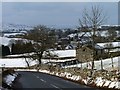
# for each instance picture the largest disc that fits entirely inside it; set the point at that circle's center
(8, 71)
(5, 50)
(21, 47)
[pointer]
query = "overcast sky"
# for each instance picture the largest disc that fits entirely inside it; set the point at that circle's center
(59, 14)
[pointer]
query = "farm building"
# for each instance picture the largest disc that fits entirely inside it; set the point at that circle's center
(88, 52)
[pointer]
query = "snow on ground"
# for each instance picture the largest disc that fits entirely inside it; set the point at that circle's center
(56, 60)
(107, 64)
(7, 41)
(9, 79)
(59, 53)
(20, 62)
(102, 33)
(16, 62)
(98, 81)
(4, 41)
(115, 50)
(20, 55)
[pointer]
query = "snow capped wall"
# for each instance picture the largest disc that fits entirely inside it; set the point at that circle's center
(115, 44)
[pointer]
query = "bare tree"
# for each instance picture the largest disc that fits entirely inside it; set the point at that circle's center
(43, 38)
(90, 21)
(27, 62)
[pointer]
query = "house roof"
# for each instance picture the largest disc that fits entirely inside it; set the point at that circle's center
(92, 46)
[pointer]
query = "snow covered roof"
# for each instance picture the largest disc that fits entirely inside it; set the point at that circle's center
(98, 47)
(92, 47)
(64, 53)
(12, 34)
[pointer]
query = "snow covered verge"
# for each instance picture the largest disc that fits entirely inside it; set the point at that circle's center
(97, 82)
(9, 78)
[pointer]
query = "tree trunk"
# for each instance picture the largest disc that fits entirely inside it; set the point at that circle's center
(92, 67)
(39, 60)
(112, 62)
(93, 43)
(81, 65)
(26, 61)
(40, 57)
(101, 64)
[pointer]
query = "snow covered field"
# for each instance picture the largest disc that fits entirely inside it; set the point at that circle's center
(98, 81)
(20, 62)
(102, 33)
(4, 41)
(7, 41)
(107, 64)
(16, 62)
(58, 53)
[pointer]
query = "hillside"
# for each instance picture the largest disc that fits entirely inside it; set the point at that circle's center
(9, 27)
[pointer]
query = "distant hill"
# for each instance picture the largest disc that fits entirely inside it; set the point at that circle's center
(9, 27)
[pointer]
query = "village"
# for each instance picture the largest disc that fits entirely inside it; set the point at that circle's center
(73, 56)
(44, 56)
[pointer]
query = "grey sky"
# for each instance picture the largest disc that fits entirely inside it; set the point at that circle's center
(57, 14)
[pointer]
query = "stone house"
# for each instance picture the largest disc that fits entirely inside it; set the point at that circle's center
(87, 53)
